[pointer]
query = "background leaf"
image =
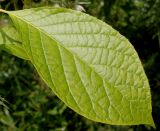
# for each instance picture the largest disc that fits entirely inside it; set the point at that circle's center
(10, 42)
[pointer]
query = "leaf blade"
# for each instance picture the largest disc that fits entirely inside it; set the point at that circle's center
(54, 41)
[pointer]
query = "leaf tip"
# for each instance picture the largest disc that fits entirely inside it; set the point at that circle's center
(152, 123)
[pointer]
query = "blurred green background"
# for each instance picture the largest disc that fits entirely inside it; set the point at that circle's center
(27, 104)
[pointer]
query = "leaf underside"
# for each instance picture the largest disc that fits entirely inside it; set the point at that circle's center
(91, 67)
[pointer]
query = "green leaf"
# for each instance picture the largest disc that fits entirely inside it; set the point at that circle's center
(8, 35)
(91, 67)
(10, 42)
(6, 119)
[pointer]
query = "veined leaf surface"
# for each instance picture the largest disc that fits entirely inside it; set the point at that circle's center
(91, 67)
(10, 42)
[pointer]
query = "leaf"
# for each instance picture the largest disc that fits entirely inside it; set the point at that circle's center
(91, 67)
(8, 35)
(6, 119)
(10, 42)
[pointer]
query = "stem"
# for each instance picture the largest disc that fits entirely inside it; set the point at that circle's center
(4, 11)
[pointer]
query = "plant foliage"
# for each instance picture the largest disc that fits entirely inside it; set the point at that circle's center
(91, 67)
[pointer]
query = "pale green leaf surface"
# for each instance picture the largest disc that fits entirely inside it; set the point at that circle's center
(8, 35)
(16, 50)
(91, 67)
(10, 42)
